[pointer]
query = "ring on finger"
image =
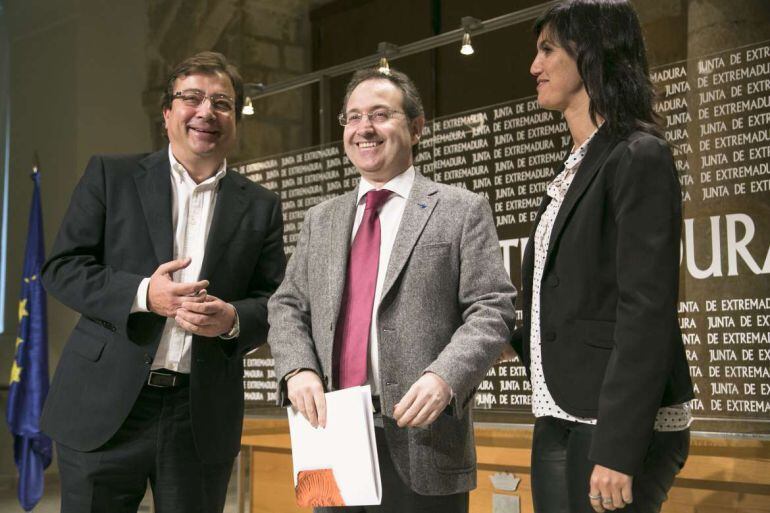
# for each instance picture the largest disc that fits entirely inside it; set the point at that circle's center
(607, 500)
(596, 497)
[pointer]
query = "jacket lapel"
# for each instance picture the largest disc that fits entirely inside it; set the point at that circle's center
(153, 182)
(341, 225)
(419, 206)
(590, 165)
(230, 207)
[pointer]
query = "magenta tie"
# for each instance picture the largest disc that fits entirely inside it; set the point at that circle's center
(351, 341)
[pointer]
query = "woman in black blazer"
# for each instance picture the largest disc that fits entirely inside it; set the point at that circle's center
(600, 338)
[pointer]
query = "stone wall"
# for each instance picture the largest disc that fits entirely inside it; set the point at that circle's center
(269, 42)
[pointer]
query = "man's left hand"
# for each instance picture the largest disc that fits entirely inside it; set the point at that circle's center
(211, 318)
(609, 489)
(424, 401)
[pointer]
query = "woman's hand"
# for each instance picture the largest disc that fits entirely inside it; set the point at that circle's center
(609, 489)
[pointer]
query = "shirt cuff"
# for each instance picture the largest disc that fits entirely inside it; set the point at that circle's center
(140, 300)
(235, 331)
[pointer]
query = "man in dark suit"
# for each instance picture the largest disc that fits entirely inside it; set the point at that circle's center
(397, 284)
(170, 259)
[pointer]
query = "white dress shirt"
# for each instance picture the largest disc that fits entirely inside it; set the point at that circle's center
(390, 219)
(192, 208)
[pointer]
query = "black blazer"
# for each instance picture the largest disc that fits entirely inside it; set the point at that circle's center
(611, 344)
(117, 230)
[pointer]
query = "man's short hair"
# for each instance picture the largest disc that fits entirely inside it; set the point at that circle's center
(412, 102)
(207, 63)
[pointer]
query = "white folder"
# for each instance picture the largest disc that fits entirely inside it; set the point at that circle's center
(346, 445)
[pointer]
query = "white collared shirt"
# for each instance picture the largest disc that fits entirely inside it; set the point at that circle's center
(390, 219)
(192, 208)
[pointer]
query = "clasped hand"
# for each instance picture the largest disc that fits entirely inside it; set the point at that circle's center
(188, 303)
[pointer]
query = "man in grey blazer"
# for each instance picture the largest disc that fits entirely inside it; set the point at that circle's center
(398, 284)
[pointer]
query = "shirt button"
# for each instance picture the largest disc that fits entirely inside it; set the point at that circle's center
(147, 359)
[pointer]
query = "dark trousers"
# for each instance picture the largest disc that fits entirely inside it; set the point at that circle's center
(561, 469)
(397, 497)
(155, 444)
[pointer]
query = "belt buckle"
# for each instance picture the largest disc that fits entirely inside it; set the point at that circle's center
(161, 376)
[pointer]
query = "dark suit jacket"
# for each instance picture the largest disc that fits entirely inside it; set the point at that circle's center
(117, 230)
(611, 343)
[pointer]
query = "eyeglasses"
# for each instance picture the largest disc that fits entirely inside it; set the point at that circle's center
(377, 117)
(194, 97)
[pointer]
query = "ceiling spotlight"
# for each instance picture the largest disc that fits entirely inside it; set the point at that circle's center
(386, 51)
(384, 67)
(469, 24)
(467, 47)
(248, 108)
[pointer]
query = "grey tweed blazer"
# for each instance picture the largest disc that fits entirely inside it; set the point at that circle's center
(446, 307)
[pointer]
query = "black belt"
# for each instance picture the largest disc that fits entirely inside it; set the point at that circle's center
(167, 379)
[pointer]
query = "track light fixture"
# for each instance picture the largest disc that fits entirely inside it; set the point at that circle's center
(248, 108)
(384, 66)
(386, 50)
(469, 23)
(467, 47)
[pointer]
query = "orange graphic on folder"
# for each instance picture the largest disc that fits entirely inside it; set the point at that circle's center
(337, 465)
(317, 488)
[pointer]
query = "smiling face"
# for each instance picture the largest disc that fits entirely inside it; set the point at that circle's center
(384, 150)
(559, 86)
(201, 136)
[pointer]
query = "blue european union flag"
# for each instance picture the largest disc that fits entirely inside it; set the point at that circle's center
(29, 373)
